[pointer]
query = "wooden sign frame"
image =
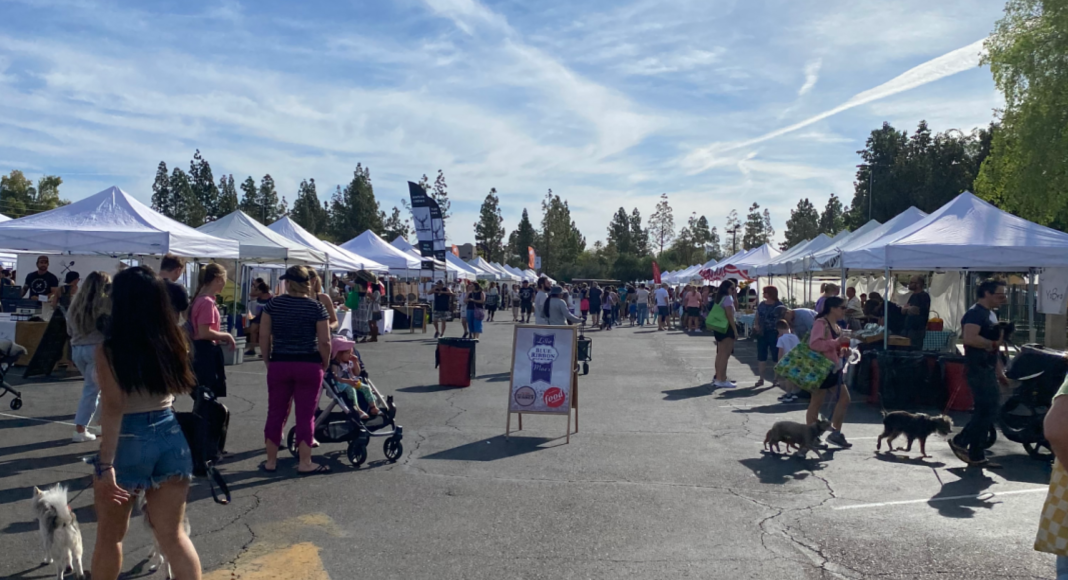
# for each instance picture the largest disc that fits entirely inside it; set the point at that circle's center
(572, 408)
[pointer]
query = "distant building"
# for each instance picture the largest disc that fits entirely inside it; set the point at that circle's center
(467, 252)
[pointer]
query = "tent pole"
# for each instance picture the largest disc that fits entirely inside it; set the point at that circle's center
(886, 312)
(1032, 331)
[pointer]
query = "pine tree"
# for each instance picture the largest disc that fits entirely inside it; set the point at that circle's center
(395, 225)
(638, 235)
(203, 183)
(560, 240)
(662, 224)
(186, 206)
(769, 230)
(832, 220)
(250, 199)
(619, 233)
(522, 237)
(489, 230)
(227, 196)
(307, 211)
(734, 227)
(804, 224)
(267, 199)
(714, 248)
(354, 210)
(161, 191)
(754, 228)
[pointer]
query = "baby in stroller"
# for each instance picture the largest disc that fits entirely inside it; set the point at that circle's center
(348, 369)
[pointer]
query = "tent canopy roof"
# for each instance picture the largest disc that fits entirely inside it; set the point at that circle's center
(370, 246)
(110, 222)
(258, 242)
(338, 259)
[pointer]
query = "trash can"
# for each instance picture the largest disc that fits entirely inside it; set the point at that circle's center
(957, 396)
(236, 356)
(903, 379)
(455, 360)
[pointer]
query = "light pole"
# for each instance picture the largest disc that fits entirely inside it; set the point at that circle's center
(871, 181)
(734, 239)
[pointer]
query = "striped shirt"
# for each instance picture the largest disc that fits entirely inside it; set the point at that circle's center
(293, 328)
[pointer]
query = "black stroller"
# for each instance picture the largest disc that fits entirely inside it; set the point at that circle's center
(1040, 371)
(9, 353)
(345, 426)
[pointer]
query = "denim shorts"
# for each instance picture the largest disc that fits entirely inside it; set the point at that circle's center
(766, 348)
(152, 449)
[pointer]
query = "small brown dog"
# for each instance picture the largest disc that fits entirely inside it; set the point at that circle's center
(800, 436)
(913, 426)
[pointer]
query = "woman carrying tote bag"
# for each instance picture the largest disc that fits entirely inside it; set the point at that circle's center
(828, 340)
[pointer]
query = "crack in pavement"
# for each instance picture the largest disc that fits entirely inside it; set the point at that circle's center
(255, 504)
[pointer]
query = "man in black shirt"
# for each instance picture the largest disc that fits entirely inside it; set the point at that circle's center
(41, 282)
(984, 370)
(917, 311)
(170, 269)
(442, 307)
(526, 302)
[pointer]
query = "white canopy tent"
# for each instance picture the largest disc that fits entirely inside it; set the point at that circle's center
(456, 267)
(966, 233)
(781, 264)
(813, 260)
(8, 260)
(492, 272)
(110, 222)
(516, 272)
(337, 259)
(510, 276)
(370, 246)
(260, 244)
(890, 228)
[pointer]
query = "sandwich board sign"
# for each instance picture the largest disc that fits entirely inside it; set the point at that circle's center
(543, 380)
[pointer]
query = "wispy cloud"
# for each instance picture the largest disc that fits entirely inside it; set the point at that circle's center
(812, 75)
(946, 65)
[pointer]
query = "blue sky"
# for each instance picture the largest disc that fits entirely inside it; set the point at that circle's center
(717, 103)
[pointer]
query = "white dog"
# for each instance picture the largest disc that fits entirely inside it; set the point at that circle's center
(60, 536)
(157, 553)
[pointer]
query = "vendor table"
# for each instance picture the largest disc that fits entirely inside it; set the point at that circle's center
(385, 326)
(747, 320)
(416, 315)
(28, 335)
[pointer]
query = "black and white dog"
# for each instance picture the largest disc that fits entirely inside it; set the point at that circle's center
(60, 537)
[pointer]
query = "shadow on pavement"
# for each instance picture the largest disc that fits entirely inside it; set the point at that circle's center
(743, 392)
(957, 499)
(39, 445)
(495, 378)
(688, 393)
(426, 389)
(494, 448)
(30, 422)
(907, 460)
(778, 469)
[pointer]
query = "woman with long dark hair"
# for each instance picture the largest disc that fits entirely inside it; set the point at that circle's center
(725, 340)
(142, 364)
(90, 305)
(476, 301)
(829, 340)
(206, 324)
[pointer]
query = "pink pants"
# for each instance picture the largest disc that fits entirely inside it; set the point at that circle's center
(299, 382)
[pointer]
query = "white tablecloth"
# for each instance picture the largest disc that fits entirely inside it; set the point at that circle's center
(385, 326)
(7, 330)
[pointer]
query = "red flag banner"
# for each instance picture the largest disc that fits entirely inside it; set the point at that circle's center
(656, 273)
(530, 257)
(455, 251)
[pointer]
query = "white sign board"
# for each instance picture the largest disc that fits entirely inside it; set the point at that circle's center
(543, 364)
(1053, 291)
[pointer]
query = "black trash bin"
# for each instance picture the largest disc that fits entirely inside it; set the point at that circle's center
(903, 380)
(455, 360)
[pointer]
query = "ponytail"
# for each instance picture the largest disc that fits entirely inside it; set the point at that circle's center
(208, 274)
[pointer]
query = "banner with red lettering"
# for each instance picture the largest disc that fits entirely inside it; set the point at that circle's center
(542, 371)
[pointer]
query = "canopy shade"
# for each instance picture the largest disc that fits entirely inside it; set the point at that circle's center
(258, 243)
(889, 230)
(369, 245)
(968, 233)
(491, 271)
(511, 275)
(451, 263)
(813, 260)
(739, 268)
(337, 258)
(110, 222)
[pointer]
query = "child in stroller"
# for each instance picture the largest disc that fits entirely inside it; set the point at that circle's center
(363, 412)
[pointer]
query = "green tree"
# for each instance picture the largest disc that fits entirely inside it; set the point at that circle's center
(161, 191)
(755, 234)
(203, 184)
(250, 199)
(619, 233)
(521, 238)
(308, 212)
(804, 224)
(271, 210)
(395, 225)
(227, 196)
(833, 218)
(1027, 172)
(714, 249)
(489, 229)
(19, 198)
(662, 224)
(440, 192)
(184, 202)
(354, 209)
(734, 227)
(560, 241)
(638, 235)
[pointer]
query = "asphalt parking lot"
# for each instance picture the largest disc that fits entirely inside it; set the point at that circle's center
(667, 478)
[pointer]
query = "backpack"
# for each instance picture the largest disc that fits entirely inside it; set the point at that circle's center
(717, 319)
(205, 430)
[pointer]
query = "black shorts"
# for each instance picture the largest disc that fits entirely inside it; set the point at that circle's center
(526, 307)
(766, 348)
(721, 336)
(693, 311)
(832, 380)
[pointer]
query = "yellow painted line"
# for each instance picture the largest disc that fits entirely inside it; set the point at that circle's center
(300, 561)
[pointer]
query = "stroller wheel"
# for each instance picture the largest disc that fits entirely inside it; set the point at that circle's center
(585, 368)
(393, 448)
(16, 404)
(991, 437)
(291, 442)
(1039, 450)
(357, 452)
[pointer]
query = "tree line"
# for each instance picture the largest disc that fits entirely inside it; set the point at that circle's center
(19, 197)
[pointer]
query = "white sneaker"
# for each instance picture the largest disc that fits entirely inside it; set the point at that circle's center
(724, 384)
(83, 437)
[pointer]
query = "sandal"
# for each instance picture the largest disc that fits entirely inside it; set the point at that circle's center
(263, 467)
(759, 383)
(320, 468)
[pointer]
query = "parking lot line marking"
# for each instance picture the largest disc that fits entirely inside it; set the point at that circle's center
(987, 495)
(36, 419)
